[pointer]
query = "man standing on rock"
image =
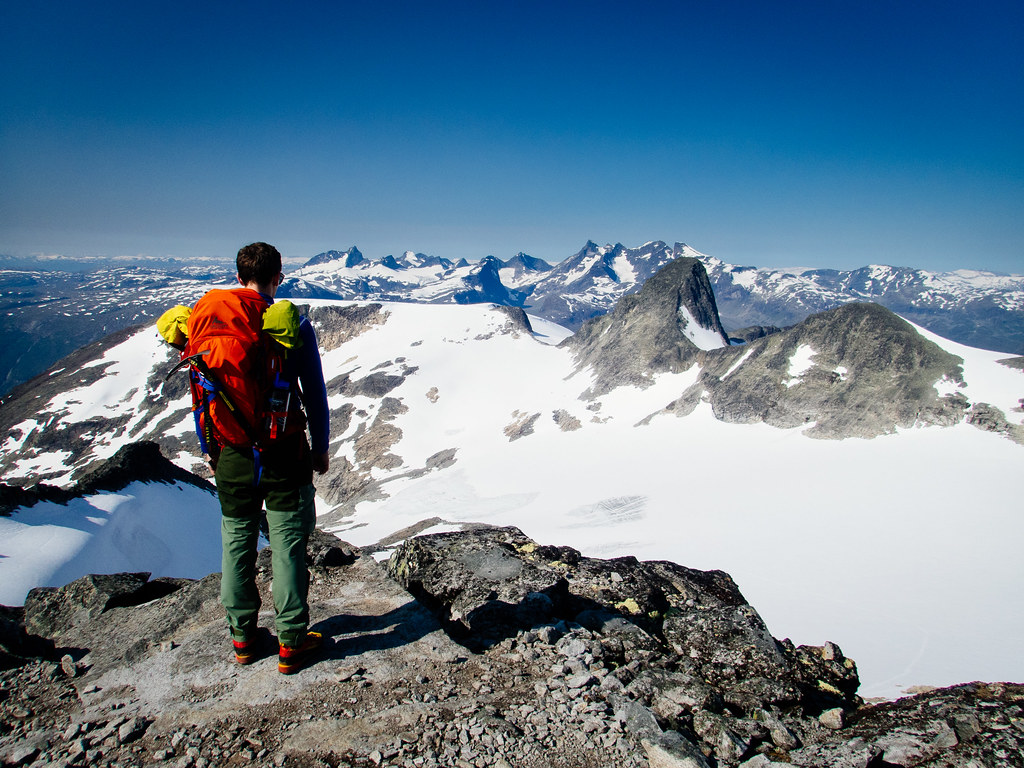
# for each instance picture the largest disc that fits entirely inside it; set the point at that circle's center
(254, 364)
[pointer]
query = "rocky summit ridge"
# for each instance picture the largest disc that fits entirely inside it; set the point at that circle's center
(472, 648)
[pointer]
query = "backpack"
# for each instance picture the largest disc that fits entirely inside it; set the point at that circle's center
(240, 394)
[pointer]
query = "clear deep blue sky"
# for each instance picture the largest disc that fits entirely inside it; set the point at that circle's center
(826, 133)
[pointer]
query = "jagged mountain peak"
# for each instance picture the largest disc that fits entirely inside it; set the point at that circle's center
(979, 309)
(529, 262)
(663, 327)
(347, 258)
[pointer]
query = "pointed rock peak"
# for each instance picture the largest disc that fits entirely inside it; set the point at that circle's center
(348, 258)
(527, 262)
(591, 249)
(683, 286)
(354, 257)
(666, 326)
(390, 262)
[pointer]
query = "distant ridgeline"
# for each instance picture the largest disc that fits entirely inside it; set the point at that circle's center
(46, 315)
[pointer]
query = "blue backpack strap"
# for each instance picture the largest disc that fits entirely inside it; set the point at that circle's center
(257, 465)
(207, 392)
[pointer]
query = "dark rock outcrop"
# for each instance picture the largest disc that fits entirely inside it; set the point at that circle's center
(337, 324)
(752, 332)
(483, 285)
(137, 462)
(867, 373)
(489, 584)
(577, 663)
(647, 332)
(16, 643)
(518, 321)
(52, 611)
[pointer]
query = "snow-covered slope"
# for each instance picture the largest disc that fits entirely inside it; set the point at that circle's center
(162, 529)
(901, 548)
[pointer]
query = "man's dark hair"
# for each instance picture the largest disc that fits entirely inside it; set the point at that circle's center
(258, 263)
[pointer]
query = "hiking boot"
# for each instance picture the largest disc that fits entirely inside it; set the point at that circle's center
(292, 659)
(246, 651)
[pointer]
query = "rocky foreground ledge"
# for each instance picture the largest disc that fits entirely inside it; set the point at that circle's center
(479, 648)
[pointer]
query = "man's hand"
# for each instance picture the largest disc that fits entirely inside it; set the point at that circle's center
(320, 462)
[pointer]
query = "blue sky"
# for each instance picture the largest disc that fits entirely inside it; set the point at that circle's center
(823, 133)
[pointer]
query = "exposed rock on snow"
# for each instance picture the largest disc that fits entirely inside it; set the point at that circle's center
(518, 322)
(752, 332)
(492, 583)
(337, 324)
(521, 425)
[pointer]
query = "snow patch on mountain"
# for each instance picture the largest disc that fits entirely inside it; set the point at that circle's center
(703, 338)
(986, 379)
(799, 364)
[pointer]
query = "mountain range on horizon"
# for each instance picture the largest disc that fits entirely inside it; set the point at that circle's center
(45, 315)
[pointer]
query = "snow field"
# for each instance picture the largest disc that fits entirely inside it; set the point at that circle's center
(122, 391)
(704, 338)
(168, 530)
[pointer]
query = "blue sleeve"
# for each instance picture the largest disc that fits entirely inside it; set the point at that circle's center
(314, 391)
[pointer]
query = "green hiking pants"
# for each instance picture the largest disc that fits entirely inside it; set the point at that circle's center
(286, 489)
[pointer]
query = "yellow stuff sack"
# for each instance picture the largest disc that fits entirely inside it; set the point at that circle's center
(173, 325)
(281, 323)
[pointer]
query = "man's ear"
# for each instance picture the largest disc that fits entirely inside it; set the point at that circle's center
(239, 279)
